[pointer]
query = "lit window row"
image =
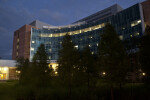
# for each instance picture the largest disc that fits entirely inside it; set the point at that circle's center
(136, 34)
(135, 23)
(74, 32)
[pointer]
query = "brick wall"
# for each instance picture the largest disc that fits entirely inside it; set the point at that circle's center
(146, 11)
(21, 42)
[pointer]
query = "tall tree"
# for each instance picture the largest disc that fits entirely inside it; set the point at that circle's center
(145, 53)
(23, 70)
(87, 63)
(112, 56)
(40, 69)
(68, 58)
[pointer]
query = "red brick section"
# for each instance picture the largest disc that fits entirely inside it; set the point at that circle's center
(146, 11)
(21, 42)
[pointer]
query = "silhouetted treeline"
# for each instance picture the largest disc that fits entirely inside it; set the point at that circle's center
(82, 74)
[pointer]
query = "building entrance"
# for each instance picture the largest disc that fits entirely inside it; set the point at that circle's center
(2, 76)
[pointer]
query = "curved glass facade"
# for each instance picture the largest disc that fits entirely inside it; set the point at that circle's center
(128, 24)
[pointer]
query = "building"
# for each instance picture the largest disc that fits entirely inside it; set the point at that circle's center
(8, 70)
(129, 24)
(146, 10)
(21, 41)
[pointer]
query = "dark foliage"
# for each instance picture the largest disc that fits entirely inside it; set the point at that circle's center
(145, 54)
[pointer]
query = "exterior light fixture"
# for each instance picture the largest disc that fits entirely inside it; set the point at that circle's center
(104, 73)
(143, 74)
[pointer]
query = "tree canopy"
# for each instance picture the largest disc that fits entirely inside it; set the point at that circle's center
(145, 53)
(112, 56)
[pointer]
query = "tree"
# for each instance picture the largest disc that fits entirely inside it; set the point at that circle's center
(23, 70)
(112, 57)
(40, 69)
(87, 63)
(145, 54)
(67, 62)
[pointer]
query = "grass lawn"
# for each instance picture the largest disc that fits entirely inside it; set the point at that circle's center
(10, 90)
(7, 90)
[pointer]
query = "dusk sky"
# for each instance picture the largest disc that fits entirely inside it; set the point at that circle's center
(16, 13)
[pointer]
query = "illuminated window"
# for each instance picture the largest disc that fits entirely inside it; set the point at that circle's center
(56, 35)
(136, 34)
(33, 41)
(5, 69)
(89, 45)
(32, 49)
(17, 46)
(121, 37)
(97, 44)
(76, 46)
(4, 73)
(74, 32)
(135, 23)
(50, 50)
(80, 31)
(139, 21)
(18, 40)
(91, 37)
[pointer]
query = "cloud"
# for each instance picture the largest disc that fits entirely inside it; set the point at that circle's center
(10, 20)
(53, 16)
(2, 29)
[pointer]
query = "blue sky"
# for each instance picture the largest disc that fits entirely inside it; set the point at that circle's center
(16, 13)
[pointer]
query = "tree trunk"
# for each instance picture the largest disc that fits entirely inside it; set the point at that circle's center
(88, 87)
(70, 88)
(112, 96)
(120, 86)
(88, 81)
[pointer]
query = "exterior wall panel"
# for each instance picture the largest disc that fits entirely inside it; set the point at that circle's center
(146, 11)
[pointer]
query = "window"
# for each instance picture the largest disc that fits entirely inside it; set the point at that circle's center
(76, 46)
(121, 37)
(97, 44)
(134, 23)
(136, 34)
(33, 41)
(50, 50)
(32, 49)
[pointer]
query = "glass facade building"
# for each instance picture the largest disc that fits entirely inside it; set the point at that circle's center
(129, 25)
